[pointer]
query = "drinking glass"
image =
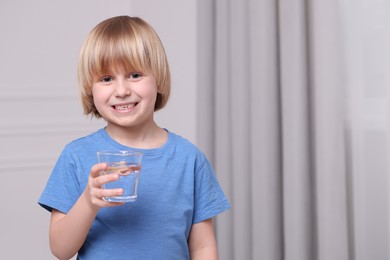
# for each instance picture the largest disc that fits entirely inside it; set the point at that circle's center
(127, 164)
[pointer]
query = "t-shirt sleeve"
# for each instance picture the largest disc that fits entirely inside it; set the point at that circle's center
(209, 197)
(62, 189)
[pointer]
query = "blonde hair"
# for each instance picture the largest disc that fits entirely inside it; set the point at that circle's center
(122, 43)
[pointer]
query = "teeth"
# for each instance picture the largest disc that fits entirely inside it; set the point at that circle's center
(124, 107)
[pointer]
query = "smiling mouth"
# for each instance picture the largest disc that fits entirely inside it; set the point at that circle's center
(124, 107)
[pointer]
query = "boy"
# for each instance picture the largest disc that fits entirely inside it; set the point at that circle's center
(124, 78)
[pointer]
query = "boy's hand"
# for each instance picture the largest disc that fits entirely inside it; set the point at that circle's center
(94, 193)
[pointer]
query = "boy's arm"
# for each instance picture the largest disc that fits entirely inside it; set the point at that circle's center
(68, 231)
(202, 242)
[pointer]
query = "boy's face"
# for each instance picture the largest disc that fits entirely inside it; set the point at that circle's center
(125, 99)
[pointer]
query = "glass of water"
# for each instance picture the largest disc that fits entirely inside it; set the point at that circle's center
(127, 164)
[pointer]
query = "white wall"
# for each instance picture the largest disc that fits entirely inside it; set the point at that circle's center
(39, 107)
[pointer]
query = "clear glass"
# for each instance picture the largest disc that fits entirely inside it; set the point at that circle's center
(128, 165)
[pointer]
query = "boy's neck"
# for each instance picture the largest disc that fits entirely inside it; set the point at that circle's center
(144, 138)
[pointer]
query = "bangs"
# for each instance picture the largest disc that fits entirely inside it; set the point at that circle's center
(118, 54)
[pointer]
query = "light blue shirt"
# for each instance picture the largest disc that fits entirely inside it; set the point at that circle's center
(177, 188)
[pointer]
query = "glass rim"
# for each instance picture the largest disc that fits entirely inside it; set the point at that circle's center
(119, 152)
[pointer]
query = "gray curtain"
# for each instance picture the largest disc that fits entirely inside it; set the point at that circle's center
(271, 118)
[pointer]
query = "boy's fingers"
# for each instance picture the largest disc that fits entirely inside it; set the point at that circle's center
(110, 193)
(100, 180)
(97, 168)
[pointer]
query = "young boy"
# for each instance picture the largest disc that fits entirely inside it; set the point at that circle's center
(124, 78)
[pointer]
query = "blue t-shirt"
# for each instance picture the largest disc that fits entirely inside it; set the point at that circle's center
(177, 188)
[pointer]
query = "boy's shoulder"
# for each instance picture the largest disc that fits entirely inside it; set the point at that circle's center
(182, 141)
(184, 145)
(86, 140)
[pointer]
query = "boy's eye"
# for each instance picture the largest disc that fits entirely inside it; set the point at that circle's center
(105, 79)
(135, 75)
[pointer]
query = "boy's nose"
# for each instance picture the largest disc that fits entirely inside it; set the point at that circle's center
(122, 89)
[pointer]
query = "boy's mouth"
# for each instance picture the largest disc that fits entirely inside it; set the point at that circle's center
(125, 107)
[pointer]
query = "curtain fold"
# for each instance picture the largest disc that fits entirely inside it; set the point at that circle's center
(275, 127)
(328, 126)
(296, 104)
